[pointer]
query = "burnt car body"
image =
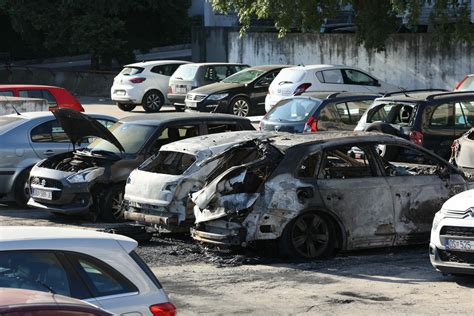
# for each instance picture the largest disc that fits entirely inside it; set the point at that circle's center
(317, 193)
(93, 178)
(157, 192)
(462, 154)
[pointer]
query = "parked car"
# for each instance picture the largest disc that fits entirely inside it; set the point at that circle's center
(431, 118)
(92, 179)
(157, 192)
(462, 151)
(20, 302)
(26, 139)
(317, 111)
(467, 84)
(242, 93)
(144, 84)
(57, 97)
(313, 78)
(100, 268)
(452, 235)
(321, 192)
(192, 76)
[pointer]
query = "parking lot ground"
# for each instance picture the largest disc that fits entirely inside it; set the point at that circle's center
(202, 280)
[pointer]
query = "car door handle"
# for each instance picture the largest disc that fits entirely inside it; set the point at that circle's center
(48, 152)
(304, 193)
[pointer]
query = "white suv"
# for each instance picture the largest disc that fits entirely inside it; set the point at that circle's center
(144, 83)
(296, 80)
(99, 268)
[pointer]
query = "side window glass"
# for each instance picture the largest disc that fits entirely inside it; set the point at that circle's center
(357, 109)
(345, 162)
(221, 128)
(266, 80)
(211, 74)
(222, 72)
(158, 70)
(48, 96)
(40, 271)
(327, 118)
(31, 94)
(320, 77)
(357, 77)
(343, 112)
(464, 114)
(307, 168)
(6, 93)
(332, 76)
(441, 116)
(42, 133)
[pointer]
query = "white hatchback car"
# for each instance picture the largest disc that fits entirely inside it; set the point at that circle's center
(452, 235)
(296, 80)
(144, 83)
(99, 268)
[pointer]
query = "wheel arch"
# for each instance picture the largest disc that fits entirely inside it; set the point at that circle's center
(163, 95)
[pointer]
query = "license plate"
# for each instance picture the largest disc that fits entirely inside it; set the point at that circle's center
(459, 244)
(181, 90)
(42, 194)
(191, 104)
(120, 92)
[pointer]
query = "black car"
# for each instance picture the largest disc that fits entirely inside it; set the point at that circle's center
(242, 93)
(92, 179)
(431, 118)
(317, 111)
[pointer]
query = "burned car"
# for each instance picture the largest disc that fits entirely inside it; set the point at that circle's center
(328, 191)
(92, 179)
(462, 151)
(157, 192)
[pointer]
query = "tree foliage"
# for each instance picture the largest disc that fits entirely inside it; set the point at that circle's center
(374, 20)
(103, 28)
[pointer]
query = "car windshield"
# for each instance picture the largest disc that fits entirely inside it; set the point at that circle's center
(130, 71)
(131, 136)
(185, 72)
(169, 162)
(292, 110)
(7, 122)
(289, 75)
(244, 76)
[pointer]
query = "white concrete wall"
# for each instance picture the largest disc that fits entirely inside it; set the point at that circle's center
(413, 61)
(9, 104)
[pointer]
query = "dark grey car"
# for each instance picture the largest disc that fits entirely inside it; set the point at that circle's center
(93, 178)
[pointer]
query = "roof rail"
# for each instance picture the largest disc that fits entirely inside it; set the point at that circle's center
(388, 94)
(431, 97)
(333, 95)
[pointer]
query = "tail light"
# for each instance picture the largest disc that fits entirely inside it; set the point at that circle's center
(164, 309)
(416, 137)
(311, 126)
(170, 90)
(460, 83)
(302, 88)
(137, 80)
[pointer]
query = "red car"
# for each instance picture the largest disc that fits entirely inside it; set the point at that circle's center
(56, 96)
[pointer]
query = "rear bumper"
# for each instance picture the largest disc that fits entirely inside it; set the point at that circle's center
(220, 233)
(177, 99)
(161, 218)
(125, 94)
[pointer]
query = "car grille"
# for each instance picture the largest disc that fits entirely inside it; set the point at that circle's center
(195, 97)
(456, 256)
(457, 231)
(48, 183)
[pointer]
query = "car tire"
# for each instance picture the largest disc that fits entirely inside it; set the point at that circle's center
(153, 101)
(21, 189)
(240, 106)
(126, 107)
(111, 205)
(310, 236)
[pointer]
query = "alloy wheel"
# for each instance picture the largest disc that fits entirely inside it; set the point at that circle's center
(310, 235)
(153, 102)
(240, 108)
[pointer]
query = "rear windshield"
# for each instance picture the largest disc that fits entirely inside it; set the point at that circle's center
(244, 76)
(185, 72)
(7, 122)
(468, 84)
(129, 71)
(290, 75)
(292, 110)
(169, 162)
(393, 113)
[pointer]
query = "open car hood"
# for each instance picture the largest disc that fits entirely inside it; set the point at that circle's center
(77, 126)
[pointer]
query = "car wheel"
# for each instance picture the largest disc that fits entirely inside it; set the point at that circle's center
(308, 236)
(240, 106)
(126, 107)
(111, 207)
(22, 190)
(152, 101)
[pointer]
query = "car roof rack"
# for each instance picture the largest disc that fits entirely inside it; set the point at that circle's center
(389, 94)
(431, 97)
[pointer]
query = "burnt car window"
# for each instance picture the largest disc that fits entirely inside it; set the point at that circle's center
(307, 168)
(169, 162)
(344, 162)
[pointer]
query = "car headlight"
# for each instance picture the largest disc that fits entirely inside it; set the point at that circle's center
(86, 175)
(218, 96)
(437, 219)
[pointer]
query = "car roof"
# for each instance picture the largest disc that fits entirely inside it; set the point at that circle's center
(217, 64)
(26, 86)
(339, 95)
(417, 96)
(156, 119)
(42, 237)
(270, 67)
(320, 67)
(41, 114)
(156, 62)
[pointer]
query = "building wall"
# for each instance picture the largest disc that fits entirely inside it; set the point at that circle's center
(413, 61)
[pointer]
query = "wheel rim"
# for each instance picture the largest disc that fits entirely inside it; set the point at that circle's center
(153, 101)
(26, 191)
(116, 206)
(310, 235)
(241, 108)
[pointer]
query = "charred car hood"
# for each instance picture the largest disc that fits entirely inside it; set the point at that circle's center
(77, 126)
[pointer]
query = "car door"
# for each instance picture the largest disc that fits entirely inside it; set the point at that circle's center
(259, 90)
(419, 184)
(350, 185)
(160, 77)
(438, 128)
(48, 139)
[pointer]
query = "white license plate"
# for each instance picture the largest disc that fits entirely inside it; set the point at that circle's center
(191, 104)
(459, 244)
(181, 90)
(120, 92)
(42, 194)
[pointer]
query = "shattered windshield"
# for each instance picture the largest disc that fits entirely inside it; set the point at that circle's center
(169, 162)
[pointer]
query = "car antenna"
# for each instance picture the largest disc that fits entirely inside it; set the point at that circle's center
(404, 92)
(17, 113)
